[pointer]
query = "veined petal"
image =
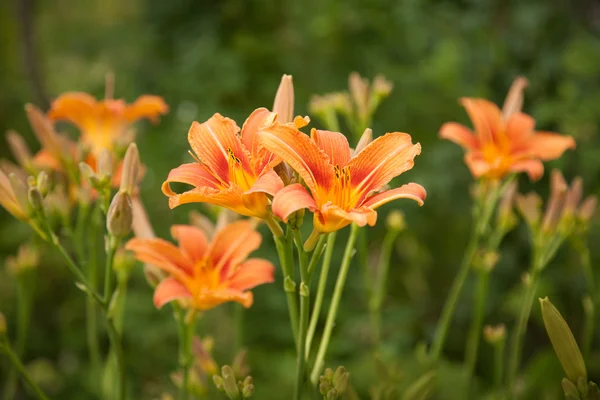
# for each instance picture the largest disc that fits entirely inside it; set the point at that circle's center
(533, 168)
(194, 174)
(162, 254)
(485, 116)
(210, 299)
(334, 144)
(75, 107)
(519, 128)
(170, 289)
(333, 217)
(146, 106)
(217, 144)
(459, 134)
(192, 241)
(252, 273)
(250, 137)
(411, 191)
(383, 159)
(231, 245)
(291, 199)
(301, 153)
(230, 198)
(477, 164)
(548, 145)
(269, 183)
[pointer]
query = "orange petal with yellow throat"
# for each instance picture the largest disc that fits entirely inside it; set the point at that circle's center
(210, 299)
(192, 241)
(301, 153)
(75, 107)
(259, 118)
(291, 199)
(193, 174)
(549, 146)
(412, 191)
(486, 118)
(162, 254)
(533, 168)
(519, 128)
(170, 289)
(334, 144)
(336, 217)
(383, 159)
(231, 198)
(459, 134)
(146, 106)
(8, 199)
(231, 245)
(477, 165)
(252, 273)
(269, 183)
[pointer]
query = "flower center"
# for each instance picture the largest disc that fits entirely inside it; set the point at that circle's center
(237, 174)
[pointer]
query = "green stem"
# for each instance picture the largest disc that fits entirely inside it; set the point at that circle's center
(286, 258)
(304, 309)
(477, 322)
(113, 245)
(115, 344)
(377, 297)
(238, 316)
(335, 302)
(499, 367)
(588, 331)
(187, 324)
(91, 309)
(16, 362)
(314, 259)
(363, 260)
(314, 316)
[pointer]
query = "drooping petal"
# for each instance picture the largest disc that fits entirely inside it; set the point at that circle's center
(45, 159)
(75, 107)
(335, 217)
(385, 158)
(269, 183)
(8, 199)
(291, 199)
(549, 146)
(217, 144)
(146, 106)
(233, 244)
(250, 137)
(301, 153)
(194, 174)
(252, 273)
(519, 128)
(533, 168)
(334, 144)
(209, 299)
(412, 191)
(192, 241)
(162, 254)
(486, 118)
(477, 164)
(230, 198)
(170, 289)
(459, 134)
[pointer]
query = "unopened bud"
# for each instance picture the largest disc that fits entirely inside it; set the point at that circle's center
(42, 183)
(229, 383)
(395, 221)
(582, 387)
(20, 191)
(359, 90)
(105, 165)
(219, 382)
(131, 167)
(332, 395)
(382, 87)
(35, 199)
(573, 197)
(88, 174)
(284, 100)
(529, 206)
(365, 140)
(248, 391)
(289, 285)
(120, 215)
(564, 343)
(514, 98)
(487, 260)
(558, 193)
(340, 382)
(494, 334)
(588, 208)
(19, 148)
(2, 325)
(43, 129)
(569, 389)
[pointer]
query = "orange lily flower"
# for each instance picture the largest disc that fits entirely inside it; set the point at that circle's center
(205, 274)
(341, 187)
(8, 198)
(504, 141)
(232, 170)
(102, 123)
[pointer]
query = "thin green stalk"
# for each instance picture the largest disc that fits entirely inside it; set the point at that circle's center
(304, 309)
(363, 260)
(476, 325)
(377, 297)
(316, 256)
(187, 326)
(590, 303)
(18, 365)
(238, 317)
(316, 311)
(91, 309)
(286, 258)
(113, 245)
(335, 302)
(499, 367)
(115, 345)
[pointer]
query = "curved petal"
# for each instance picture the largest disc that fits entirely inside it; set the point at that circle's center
(252, 273)
(334, 144)
(548, 145)
(486, 118)
(477, 165)
(383, 159)
(45, 159)
(301, 153)
(194, 174)
(170, 289)
(192, 241)
(162, 254)
(8, 199)
(75, 107)
(231, 198)
(217, 145)
(231, 245)
(291, 199)
(250, 137)
(412, 191)
(211, 299)
(334, 217)
(269, 183)
(142, 228)
(459, 134)
(533, 168)
(146, 106)
(519, 128)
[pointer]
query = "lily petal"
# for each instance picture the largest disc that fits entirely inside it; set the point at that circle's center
(533, 168)
(192, 241)
(210, 299)
(485, 116)
(459, 134)
(146, 106)
(230, 198)
(170, 289)
(252, 273)
(194, 174)
(549, 146)
(250, 137)
(162, 254)
(477, 165)
(335, 217)
(75, 107)
(412, 191)
(519, 128)
(269, 183)
(231, 245)
(334, 144)
(291, 199)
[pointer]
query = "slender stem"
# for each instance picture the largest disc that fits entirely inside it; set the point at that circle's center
(286, 258)
(113, 245)
(238, 316)
(115, 344)
(314, 259)
(498, 367)
(363, 260)
(304, 309)
(314, 316)
(92, 272)
(187, 326)
(589, 303)
(335, 302)
(477, 322)
(16, 362)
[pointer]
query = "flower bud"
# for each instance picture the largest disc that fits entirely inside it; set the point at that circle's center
(35, 199)
(340, 380)
(19, 148)
(382, 87)
(529, 206)
(247, 388)
(514, 98)
(332, 395)
(120, 215)
(43, 129)
(304, 291)
(131, 167)
(558, 189)
(494, 334)
(564, 343)
(26, 259)
(359, 90)
(219, 382)
(284, 100)
(105, 165)
(88, 174)
(588, 208)
(229, 383)
(395, 221)
(365, 140)
(573, 197)
(20, 191)
(42, 183)
(569, 389)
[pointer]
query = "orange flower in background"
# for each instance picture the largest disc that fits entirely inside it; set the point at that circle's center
(504, 141)
(202, 273)
(341, 187)
(232, 170)
(102, 123)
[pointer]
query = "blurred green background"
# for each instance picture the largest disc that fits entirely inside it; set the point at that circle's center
(227, 56)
